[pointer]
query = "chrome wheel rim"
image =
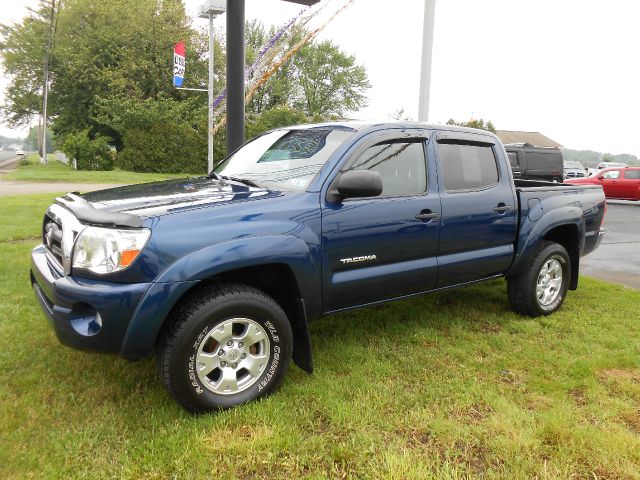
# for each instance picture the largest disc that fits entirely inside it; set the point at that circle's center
(549, 282)
(232, 356)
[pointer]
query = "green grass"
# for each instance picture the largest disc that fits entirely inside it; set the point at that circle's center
(449, 385)
(32, 171)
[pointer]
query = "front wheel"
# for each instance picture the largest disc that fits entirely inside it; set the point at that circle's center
(541, 288)
(226, 346)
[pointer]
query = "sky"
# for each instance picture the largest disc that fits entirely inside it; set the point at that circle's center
(568, 69)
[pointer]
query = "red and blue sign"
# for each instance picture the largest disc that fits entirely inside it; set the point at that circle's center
(179, 64)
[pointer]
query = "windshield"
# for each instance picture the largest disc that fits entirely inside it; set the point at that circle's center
(286, 159)
(610, 165)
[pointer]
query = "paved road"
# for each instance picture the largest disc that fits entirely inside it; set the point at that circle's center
(618, 257)
(8, 161)
(6, 156)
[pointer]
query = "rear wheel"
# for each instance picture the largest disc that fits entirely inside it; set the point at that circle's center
(226, 346)
(541, 288)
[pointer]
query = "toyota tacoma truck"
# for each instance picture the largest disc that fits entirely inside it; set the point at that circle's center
(219, 275)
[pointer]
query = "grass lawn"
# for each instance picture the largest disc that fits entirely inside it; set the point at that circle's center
(56, 171)
(450, 385)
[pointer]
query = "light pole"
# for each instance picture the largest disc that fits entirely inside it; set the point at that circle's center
(235, 70)
(209, 10)
(427, 51)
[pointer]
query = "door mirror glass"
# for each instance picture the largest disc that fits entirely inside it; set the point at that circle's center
(360, 183)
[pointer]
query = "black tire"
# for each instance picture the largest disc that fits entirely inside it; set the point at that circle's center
(521, 288)
(197, 319)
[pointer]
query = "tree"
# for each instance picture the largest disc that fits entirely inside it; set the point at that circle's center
(474, 123)
(22, 49)
(111, 72)
(331, 82)
(102, 49)
(320, 80)
(33, 139)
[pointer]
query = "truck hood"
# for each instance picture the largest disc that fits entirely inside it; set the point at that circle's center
(158, 198)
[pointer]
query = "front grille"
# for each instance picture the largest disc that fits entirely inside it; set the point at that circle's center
(575, 174)
(52, 238)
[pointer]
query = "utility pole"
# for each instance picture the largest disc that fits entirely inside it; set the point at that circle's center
(427, 52)
(210, 10)
(235, 74)
(45, 95)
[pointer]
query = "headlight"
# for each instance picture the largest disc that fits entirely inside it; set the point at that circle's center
(105, 250)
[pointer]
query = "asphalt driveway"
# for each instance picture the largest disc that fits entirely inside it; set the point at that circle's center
(618, 257)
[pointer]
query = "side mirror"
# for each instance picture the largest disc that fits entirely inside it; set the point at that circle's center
(357, 183)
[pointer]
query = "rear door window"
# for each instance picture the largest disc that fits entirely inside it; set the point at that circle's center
(467, 166)
(632, 174)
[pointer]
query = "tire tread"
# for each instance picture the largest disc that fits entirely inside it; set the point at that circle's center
(178, 323)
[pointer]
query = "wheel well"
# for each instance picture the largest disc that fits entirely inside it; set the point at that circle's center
(567, 236)
(277, 281)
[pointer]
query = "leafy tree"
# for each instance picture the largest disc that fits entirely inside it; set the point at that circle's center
(32, 141)
(102, 49)
(320, 80)
(282, 116)
(331, 82)
(22, 48)
(474, 123)
(110, 78)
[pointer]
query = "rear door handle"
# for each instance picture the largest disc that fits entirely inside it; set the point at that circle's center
(502, 208)
(427, 215)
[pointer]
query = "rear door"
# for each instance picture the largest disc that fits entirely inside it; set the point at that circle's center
(631, 183)
(383, 247)
(479, 210)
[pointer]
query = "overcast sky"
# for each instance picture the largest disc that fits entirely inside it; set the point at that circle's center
(569, 69)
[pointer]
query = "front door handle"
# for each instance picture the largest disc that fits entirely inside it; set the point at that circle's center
(427, 215)
(502, 208)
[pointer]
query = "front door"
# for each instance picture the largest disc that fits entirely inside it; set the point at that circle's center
(383, 247)
(611, 183)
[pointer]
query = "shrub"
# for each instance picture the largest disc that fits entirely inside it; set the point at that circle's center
(167, 147)
(89, 154)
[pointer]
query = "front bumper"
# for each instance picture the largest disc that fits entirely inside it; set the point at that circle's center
(85, 314)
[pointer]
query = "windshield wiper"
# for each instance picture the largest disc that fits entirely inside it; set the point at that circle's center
(217, 177)
(244, 181)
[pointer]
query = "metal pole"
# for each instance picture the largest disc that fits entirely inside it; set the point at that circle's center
(235, 74)
(427, 52)
(210, 126)
(43, 151)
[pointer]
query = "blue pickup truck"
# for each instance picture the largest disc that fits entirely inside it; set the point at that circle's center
(219, 275)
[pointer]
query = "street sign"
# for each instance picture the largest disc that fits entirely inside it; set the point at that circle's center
(179, 64)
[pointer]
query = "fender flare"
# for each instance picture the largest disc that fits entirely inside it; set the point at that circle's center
(532, 233)
(216, 259)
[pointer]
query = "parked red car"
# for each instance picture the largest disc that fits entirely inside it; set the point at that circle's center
(620, 183)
